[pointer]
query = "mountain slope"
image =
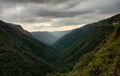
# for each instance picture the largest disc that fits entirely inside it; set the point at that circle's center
(45, 37)
(97, 45)
(69, 39)
(21, 54)
(104, 62)
(91, 39)
(72, 37)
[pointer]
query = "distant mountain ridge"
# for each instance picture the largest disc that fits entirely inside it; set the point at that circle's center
(60, 34)
(49, 38)
(45, 37)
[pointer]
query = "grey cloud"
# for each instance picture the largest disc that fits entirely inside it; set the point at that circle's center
(115, 8)
(39, 27)
(67, 22)
(35, 1)
(35, 20)
(66, 12)
(60, 13)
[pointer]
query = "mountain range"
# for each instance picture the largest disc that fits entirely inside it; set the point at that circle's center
(45, 37)
(60, 34)
(91, 50)
(49, 38)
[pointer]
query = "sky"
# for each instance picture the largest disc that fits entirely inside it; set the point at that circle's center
(56, 15)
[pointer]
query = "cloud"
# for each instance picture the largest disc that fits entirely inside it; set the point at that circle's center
(41, 1)
(57, 13)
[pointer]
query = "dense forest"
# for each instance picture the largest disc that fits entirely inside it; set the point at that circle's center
(92, 50)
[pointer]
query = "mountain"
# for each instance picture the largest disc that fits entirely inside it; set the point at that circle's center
(21, 54)
(91, 37)
(81, 33)
(71, 37)
(60, 34)
(49, 38)
(45, 37)
(92, 50)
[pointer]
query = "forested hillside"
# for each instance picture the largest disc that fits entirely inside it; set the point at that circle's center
(21, 54)
(83, 32)
(95, 52)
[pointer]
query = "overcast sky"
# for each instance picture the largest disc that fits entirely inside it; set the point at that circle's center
(56, 15)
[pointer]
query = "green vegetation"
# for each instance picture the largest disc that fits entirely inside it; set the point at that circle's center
(102, 63)
(21, 54)
(91, 41)
(117, 29)
(93, 50)
(96, 51)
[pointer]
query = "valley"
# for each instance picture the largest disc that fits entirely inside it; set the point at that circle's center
(91, 50)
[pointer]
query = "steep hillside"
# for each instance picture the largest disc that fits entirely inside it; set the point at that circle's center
(70, 38)
(97, 49)
(83, 32)
(103, 62)
(21, 54)
(45, 37)
(91, 40)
